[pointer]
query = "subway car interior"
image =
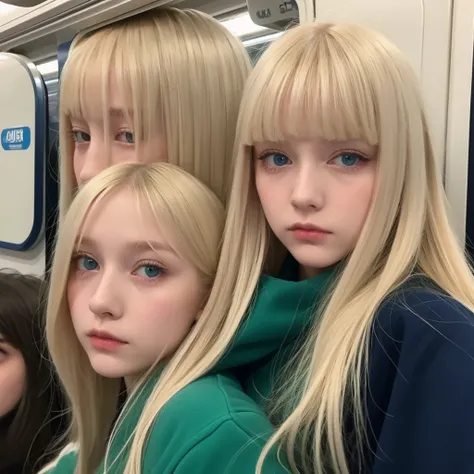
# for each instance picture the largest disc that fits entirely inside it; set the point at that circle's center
(35, 36)
(330, 317)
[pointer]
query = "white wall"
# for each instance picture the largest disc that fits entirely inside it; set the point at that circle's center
(18, 170)
(30, 262)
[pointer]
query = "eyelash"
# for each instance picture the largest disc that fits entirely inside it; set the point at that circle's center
(76, 256)
(269, 152)
(75, 131)
(265, 154)
(350, 169)
(123, 132)
(151, 263)
(363, 159)
(144, 263)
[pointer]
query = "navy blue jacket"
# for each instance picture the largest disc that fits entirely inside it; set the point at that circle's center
(420, 389)
(420, 396)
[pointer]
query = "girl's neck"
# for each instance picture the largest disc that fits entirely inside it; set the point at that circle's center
(305, 273)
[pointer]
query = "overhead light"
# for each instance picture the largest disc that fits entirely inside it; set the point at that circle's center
(48, 67)
(5, 8)
(242, 25)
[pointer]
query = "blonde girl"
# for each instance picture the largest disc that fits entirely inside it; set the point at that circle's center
(358, 339)
(133, 267)
(335, 169)
(164, 85)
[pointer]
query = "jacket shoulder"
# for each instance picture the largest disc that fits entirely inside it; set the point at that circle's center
(419, 398)
(414, 312)
(211, 426)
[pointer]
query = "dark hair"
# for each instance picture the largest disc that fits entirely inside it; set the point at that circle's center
(28, 432)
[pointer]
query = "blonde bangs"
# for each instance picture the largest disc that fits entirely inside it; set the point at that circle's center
(85, 80)
(186, 212)
(81, 210)
(112, 54)
(188, 215)
(303, 82)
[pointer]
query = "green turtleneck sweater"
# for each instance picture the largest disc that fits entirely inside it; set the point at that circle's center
(278, 319)
(209, 427)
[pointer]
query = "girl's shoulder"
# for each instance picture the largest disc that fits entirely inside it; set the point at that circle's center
(421, 329)
(418, 308)
(420, 383)
(204, 406)
(209, 427)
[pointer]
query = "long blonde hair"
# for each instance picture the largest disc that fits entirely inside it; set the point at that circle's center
(180, 203)
(342, 81)
(184, 73)
(337, 81)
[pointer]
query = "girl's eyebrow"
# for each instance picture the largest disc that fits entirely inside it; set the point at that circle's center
(140, 246)
(120, 113)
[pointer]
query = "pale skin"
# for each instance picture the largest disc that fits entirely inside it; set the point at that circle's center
(316, 182)
(12, 377)
(132, 283)
(91, 154)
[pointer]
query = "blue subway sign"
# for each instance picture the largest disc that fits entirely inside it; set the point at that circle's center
(18, 138)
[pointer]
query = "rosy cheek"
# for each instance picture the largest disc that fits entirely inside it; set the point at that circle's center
(75, 290)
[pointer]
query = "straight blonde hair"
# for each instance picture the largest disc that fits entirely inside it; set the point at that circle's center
(339, 82)
(342, 82)
(183, 73)
(195, 216)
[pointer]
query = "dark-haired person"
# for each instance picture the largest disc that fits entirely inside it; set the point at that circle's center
(31, 415)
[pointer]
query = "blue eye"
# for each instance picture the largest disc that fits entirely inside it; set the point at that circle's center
(81, 137)
(275, 160)
(150, 271)
(125, 136)
(349, 160)
(87, 264)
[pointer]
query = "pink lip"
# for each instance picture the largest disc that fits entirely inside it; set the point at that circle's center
(309, 227)
(105, 340)
(308, 232)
